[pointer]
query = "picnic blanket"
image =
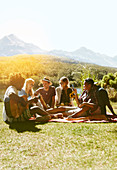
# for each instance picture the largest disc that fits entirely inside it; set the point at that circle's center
(111, 119)
(83, 120)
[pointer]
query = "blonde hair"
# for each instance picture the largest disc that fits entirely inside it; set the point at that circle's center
(28, 91)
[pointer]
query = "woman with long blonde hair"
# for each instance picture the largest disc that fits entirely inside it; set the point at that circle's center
(27, 89)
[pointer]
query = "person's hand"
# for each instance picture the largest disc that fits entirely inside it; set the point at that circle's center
(69, 117)
(23, 102)
(82, 104)
(114, 114)
(75, 92)
(35, 99)
(36, 93)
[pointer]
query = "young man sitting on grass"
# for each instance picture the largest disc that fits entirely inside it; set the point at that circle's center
(103, 100)
(15, 108)
(88, 103)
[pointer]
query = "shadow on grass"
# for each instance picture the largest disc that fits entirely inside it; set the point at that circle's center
(112, 131)
(21, 127)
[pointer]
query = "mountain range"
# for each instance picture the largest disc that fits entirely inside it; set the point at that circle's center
(11, 45)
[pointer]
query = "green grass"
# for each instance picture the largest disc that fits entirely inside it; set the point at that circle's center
(114, 104)
(58, 145)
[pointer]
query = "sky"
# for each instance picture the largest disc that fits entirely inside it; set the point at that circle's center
(62, 24)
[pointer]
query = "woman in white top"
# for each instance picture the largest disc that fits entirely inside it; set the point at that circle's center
(63, 93)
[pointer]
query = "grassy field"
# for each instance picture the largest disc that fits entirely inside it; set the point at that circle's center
(58, 145)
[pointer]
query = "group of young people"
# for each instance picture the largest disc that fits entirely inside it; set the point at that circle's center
(21, 102)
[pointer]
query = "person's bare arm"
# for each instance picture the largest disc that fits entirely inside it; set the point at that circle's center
(18, 99)
(76, 97)
(37, 92)
(53, 102)
(33, 100)
(79, 113)
(43, 102)
(90, 105)
(71, 103)
(56, 98)
(111, 109)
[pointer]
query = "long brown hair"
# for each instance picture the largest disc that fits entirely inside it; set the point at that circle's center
(65, 80)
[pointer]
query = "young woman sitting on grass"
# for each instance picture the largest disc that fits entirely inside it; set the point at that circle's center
(63, 93)
(28, 91)
(64, 97)
(87, 103)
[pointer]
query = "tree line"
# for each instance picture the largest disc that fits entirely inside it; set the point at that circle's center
(38, 66)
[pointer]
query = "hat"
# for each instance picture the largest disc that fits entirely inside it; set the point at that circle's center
(47, 80)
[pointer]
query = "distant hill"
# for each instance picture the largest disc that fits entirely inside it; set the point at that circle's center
(85, 55)
(11, 45)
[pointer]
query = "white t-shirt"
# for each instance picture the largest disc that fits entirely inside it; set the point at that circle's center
(9, 91)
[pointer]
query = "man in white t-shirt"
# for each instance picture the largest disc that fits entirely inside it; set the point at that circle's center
(17, 82)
